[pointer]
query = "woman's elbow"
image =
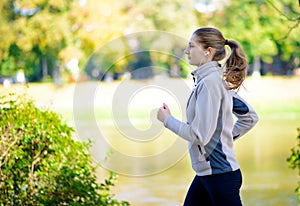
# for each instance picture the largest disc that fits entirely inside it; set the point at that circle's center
(255, 119)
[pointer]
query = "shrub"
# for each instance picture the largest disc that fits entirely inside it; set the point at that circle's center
(294, 161)
(40, 162)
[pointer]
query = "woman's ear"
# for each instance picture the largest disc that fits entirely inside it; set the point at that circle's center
(210, 52)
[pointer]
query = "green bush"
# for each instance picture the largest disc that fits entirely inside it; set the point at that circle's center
(40, 162)
(294, 161)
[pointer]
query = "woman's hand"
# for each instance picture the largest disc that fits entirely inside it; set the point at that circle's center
(163, 112)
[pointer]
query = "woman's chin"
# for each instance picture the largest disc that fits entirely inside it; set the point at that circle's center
(191, 62)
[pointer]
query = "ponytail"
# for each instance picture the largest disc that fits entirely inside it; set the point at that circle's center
(236, 66)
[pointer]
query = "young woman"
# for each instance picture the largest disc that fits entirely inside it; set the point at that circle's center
(210, 129)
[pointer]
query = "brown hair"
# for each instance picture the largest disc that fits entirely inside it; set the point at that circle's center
(236, 64)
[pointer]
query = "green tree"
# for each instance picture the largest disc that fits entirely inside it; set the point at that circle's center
(116, 19)
(7, 61)
(255, 24)
(294, 160)
(98, 23)
(40, 163)
(39, 30)
(173, 17)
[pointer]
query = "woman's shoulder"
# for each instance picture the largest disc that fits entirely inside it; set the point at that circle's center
(213, 80)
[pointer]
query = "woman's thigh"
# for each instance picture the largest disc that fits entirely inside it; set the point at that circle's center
(197, 195)
(224, 189)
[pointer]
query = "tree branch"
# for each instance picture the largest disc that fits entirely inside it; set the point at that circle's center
(4, 154)
(290, 30)
(297, 19)
(31, 174)
(282, 13)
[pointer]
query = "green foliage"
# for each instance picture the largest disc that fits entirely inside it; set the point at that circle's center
(40, 162)
(255, 25)
(59, 30)
(185, 68)
(36, 32)
(294, 160)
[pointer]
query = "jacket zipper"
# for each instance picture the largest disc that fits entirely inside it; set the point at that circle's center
(200, 149)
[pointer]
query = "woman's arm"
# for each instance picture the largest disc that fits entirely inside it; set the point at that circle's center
(246, 116)
(204, 123)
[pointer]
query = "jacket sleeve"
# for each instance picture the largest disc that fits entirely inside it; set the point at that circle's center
(204, 123)
(245, 114)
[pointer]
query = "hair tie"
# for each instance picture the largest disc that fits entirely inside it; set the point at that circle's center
(226, 42)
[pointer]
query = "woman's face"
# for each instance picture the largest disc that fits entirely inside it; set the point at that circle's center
(196, 54)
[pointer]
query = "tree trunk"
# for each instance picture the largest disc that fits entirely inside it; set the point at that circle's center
(256, 68)
(56, 74)
(44, 67)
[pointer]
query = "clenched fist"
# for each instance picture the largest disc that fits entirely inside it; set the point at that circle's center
(163, 112)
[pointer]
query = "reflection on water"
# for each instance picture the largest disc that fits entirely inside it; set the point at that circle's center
(262, 156)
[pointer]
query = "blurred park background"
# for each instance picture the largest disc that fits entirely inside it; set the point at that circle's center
(53, 40)
(48, 45)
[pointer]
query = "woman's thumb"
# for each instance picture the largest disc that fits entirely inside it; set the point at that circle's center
(165, 106)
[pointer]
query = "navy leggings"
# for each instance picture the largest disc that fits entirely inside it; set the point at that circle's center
(215, 190)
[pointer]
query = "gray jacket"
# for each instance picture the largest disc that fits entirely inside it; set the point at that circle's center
(210, 129)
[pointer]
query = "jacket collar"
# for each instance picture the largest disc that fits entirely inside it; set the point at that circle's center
(204, 70)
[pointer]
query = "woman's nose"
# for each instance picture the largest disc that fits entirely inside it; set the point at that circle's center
(186, 51)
